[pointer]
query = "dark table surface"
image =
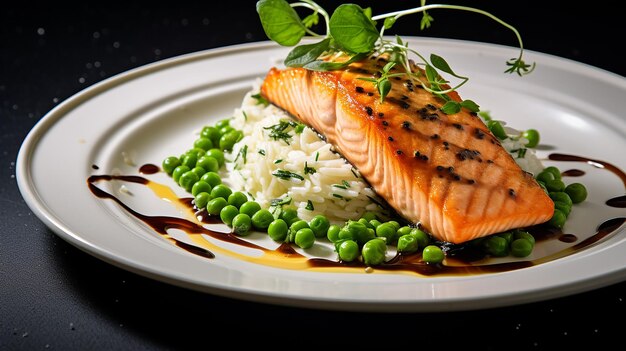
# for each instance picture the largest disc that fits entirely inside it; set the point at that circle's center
(54, 296)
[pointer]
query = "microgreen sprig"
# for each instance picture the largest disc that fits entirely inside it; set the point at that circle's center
(351, 35)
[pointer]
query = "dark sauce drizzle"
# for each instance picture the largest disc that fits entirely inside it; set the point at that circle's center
(619, 202)
(458, 257)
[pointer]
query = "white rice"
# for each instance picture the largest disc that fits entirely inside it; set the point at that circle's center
(334, 189)
(526, 158)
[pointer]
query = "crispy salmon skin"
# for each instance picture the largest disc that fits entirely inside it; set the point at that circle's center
(447, 172)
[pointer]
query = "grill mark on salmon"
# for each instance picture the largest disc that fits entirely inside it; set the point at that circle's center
(448, 173)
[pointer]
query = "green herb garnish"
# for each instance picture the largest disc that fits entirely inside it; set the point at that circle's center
(279, 131)
(307, 169)
(286, 175)
(351, 34)
(260, 100)
(309, 205)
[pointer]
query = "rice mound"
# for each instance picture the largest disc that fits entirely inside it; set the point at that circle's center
(332, 186)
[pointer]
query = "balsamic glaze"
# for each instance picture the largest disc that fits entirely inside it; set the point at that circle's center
(619, 201)
(596, 163)
(573, 173)
(460, 259)
(149, 169)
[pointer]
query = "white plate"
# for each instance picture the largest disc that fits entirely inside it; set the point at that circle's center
(153, 111)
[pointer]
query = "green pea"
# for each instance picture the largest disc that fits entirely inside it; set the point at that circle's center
(289, 215)
(558, 219)
(203, 143)
(395, 224)
(369, 216)
(212, 133)
(170, 163)
(199, 187)
(577, 192)
(209, 163)
(198, 171)
(433, 254)
(545, 176)
(375, 223)
(178, 171)
(188, 179)
(225, 130)
(190, 160)
(241, 224)
(212, 178)
(217, 154)
(524, 235)
(221, 190)
(496, 128)
(556, 172)
(215, 205)
(555, 185)
(403, 231)
(508, 236)
(344, 233)
(228, 140)
(496, 246)
(319, 225)
(201, 199)
(521, 247)
(532, 135)
(348, 250)
(227, 213)
(563, 207)
(407, 244)
(278, 230)
(222, 123)
(297, 225)
(386, 230)
(262, 219)
(422, 238)
(561, 197)
(365, 223)
(196, 151)
(237, 199)
(305, 238)
(374, 251)
(250, 208)
(332, 234)
(359, 232)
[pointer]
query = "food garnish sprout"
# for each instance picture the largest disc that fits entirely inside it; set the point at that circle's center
(351, 34)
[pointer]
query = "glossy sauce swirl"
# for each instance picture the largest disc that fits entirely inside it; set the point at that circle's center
(460, 259)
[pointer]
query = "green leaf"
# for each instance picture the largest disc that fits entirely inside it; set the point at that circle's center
(470, 105)
(304, 54)
(384, 86)
(319, 65)
(451, 107)
(389, 21)
(431, 73)
(352, 29)
(311, 20)
(388, 66)
(440, 63)
(280, 22)
(426, 20)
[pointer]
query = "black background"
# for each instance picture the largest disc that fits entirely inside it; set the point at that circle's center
(54, 296)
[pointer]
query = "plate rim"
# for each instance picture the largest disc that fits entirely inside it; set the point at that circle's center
(30, 142)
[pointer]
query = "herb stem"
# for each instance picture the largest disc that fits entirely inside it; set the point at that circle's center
(314, 7)
(398, 14)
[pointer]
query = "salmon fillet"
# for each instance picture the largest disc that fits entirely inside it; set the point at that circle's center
(448, 173)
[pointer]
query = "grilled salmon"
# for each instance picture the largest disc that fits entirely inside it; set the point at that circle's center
(447, 172)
